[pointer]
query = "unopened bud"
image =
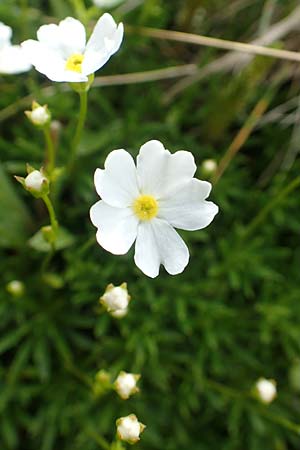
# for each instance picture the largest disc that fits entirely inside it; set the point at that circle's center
(36, 182)
(266, 390)
(115, 298)
(119, 313)
(40, 115)
(125, 384)
(209, 166)
(16, 288)
(102, 382)
(129, 429)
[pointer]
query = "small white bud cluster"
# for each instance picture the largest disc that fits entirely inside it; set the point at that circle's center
(129, 429)
(39, 115)
(125, 384)
(116, 300)
(266, 390)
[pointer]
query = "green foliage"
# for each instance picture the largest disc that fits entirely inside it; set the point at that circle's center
(201, 339)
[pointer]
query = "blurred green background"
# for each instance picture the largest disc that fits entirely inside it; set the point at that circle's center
(200, 339)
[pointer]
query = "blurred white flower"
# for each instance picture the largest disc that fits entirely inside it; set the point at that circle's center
(106, 4)
(39, 115)
(125, 384)
(61, 52)
(116, 299)
(129, 429)
(146, 202)
(266, 390)
(12, 57)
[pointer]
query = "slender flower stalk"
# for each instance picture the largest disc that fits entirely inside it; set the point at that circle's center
(52, 215)
(80, 124)
(51, 154)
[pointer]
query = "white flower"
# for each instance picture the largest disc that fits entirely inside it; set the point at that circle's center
(116, 298)
(39, 115)
(266, 390)
(145, 203)
(12, 57)
(61, 52)
(125, 384)
(129, 428)
(106, 4)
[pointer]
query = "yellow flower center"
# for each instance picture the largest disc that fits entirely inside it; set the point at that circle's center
(145, 207)
(74, 62)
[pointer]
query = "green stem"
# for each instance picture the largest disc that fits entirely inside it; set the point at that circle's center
(78, 132)
(53, 220)
(265, 211)
(99, 439)
(50, 150)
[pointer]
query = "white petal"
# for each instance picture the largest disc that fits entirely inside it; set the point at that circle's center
(13, 60)
(117, 227)
(158, 243)
(67, 38)
(103, 43)
(159, 172)
(187, 209)
(49, 62)
(5, 35)
(117, 184)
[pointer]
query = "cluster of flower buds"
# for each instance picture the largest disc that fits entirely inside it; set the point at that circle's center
(116, 300)
(265, 390)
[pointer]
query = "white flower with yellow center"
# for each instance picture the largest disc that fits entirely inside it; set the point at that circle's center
(12, 57)
(144, 203)
(62, 54)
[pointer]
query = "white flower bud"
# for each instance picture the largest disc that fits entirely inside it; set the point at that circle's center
(119, 313)
(16, 288)
(39, 115)
(125, 384)
(36, 183)
(129, 429)
(266, 390)
(115, 298)
(209, 166)
(106, 4)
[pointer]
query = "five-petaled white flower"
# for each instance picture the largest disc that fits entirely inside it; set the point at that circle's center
(12, 57)
(61, 52)
(146, 202)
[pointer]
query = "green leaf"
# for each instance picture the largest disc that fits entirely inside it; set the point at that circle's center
(14, 216)
(64, 240)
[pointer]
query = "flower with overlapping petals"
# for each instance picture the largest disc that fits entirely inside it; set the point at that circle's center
(62, 54)
(146, 201)
(12, 57)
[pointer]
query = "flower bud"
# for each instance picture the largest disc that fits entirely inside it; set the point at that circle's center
(209, 166)
(129, 429)
(115, 298)
(16, 288)
(37, 183)
(125, 384)
(119, 313)
(266, 390)
(102, 382)
(106, 4)
(40, 115)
